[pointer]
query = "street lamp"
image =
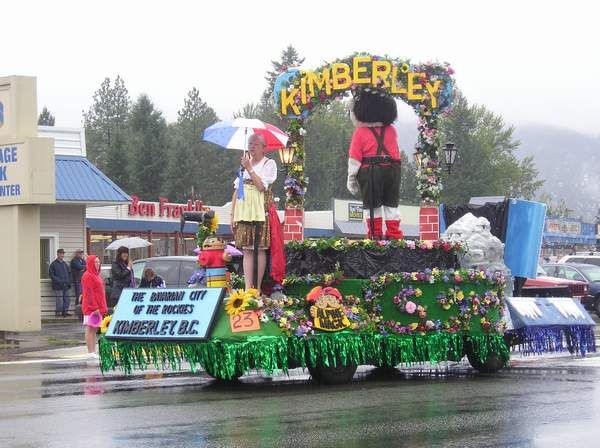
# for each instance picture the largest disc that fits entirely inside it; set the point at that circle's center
(450, 152)
(286, 155)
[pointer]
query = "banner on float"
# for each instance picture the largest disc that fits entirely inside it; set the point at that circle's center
(165, 314)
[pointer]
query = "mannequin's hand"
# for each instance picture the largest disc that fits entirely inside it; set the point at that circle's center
(352, 186)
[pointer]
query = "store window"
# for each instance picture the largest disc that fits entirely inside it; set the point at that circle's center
(47, 254)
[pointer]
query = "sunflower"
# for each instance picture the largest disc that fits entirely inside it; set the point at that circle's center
(214, 224)
(237, 302)
(105, 323)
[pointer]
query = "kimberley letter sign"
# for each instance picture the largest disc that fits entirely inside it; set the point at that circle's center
(165, 314)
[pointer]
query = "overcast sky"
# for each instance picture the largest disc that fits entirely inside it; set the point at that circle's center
(531, 61)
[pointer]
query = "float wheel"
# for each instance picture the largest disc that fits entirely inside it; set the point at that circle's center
(492, 364)
(340, 374)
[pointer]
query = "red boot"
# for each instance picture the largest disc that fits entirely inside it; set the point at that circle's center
(392, 230)
(377, 229)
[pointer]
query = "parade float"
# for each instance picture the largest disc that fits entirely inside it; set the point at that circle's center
(345, 303)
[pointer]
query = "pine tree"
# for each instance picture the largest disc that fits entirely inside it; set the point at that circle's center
(105, 125)
(196, 168)
(46, 118)
(147, 147)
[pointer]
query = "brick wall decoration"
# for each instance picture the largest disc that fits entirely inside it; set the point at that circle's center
(293, 225)
(429, 224)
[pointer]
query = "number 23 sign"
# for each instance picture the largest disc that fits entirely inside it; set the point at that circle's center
(245, 321)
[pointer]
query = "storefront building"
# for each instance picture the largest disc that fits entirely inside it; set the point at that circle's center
(79, 186)
(564, 236)
(156, 222)
(159, 223)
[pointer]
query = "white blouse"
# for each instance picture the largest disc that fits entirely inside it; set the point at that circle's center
(266, 169)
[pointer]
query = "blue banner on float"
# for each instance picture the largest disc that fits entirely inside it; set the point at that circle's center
(165, 314)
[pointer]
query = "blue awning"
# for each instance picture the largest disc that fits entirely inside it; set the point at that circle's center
(132, 225)
(78, 180)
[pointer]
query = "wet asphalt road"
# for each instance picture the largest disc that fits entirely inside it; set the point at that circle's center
(70, 404)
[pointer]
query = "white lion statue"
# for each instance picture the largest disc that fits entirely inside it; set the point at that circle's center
(483, 250)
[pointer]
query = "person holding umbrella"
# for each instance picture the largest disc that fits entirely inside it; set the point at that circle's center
(122, 274)
(249, 214)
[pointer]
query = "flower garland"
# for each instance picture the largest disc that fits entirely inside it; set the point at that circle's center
(344, 244)
(405, 305)
(296, 181)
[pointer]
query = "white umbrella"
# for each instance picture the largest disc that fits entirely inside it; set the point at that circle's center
(130, 243)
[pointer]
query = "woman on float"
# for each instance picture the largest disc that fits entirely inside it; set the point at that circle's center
(93, 304)
(249, 214)
(374, 162)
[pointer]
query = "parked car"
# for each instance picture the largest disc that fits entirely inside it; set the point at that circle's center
(545, 281)
(580, 272)
(174, 270)
(582, 257)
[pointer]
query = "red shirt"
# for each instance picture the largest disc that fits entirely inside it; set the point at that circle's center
(363, 143)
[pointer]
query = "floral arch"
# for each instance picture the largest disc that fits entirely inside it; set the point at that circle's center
(427, 87)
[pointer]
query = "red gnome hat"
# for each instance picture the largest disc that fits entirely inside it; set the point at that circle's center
(317, 292)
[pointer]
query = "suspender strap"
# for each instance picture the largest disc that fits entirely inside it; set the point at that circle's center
(381, 149)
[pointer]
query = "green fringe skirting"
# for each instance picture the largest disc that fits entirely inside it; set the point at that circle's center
(228, 359)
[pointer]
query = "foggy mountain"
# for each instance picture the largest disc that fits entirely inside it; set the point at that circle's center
(568, 161)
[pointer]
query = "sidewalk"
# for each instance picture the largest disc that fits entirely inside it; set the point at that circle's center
(54, 335)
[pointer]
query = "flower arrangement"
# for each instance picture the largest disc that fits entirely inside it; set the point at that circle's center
(296, 181)
(207, 228)
(403, 302)
(239, 300)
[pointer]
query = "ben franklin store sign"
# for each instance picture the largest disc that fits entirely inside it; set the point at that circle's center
(165, 314)
(162, 209)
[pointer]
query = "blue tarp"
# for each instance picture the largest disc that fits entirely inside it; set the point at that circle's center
(547, 311)
(524, 228)
(550, 324)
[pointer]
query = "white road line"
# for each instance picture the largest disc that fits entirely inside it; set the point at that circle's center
(41, 361)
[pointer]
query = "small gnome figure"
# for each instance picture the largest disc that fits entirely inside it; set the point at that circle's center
(374, 162)
(327, 311)
(214, 259)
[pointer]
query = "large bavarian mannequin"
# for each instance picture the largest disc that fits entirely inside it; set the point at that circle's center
(374, 163)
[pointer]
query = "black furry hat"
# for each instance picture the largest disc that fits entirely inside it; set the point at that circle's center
(375, 108)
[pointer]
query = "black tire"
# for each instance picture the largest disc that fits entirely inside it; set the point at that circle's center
(597, 305)
(493, 363)
(333, 375)
(235, 378)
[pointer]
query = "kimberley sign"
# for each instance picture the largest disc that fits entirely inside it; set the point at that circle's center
(163, 208)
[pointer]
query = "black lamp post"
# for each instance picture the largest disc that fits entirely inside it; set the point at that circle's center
(418, 156)
(450, 152)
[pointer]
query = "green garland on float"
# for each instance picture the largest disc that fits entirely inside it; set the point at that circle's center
(230, 359)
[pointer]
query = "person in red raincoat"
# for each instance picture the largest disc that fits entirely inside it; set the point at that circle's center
(94, 301)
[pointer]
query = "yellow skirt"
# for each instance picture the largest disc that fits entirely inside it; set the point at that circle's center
(252, 207)
(244, 232)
